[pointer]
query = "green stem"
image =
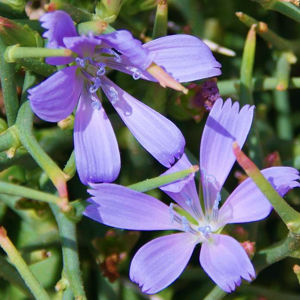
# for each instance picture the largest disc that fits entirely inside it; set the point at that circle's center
(30, 79)
(9, 87)
(281, 99)
(17, 190)
(232, 86)
(16, 259)
(277, 252)
(215, 294)
(96, 27)
(267, 34)
(24, 127)
(247, 68)
(161, 19)
(67, 232)
(289, 215)
(246, 92)
(13, 53)
(77, 14)
(9, 139)
(150, 184)
(286, 8)
(268, 293)
(9, 273)
(70, 167)
(37, 66)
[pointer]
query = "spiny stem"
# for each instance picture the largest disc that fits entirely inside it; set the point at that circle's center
(16, 259)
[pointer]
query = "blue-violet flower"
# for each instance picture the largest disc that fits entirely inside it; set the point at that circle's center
(159, 262)
(180, 57)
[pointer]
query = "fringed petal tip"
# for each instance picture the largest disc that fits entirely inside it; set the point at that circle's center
(161, 261)
(59, 25)
(226, 123)
(226, 262)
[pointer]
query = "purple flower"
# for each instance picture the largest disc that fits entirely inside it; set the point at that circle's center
(158, 263)
(97, 155)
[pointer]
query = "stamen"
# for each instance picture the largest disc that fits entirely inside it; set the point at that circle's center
(82, 61)
(96, 104)
(79, 61)
(113, 94)
(136, 73)
(97, 83)
(101, 71)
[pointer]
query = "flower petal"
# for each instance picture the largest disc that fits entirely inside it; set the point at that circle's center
(158, 263)
(55, 98)
(96, 148)
(226, 262)
(84, 46)
(184, 191)
(184, 57)
(59, 25)
(155, 133)
(247, 203)
(127, 45)
(118, 206)
(224, 125)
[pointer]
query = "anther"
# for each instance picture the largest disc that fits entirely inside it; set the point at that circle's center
(93, 88)
(79, 61)
(114, 95)
(101, 71)
(136, 73)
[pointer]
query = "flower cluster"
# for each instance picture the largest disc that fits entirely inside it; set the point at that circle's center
(168, 60)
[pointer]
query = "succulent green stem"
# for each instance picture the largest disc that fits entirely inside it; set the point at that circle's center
(16, 259)
(153, 183)
(67, 233)
(8, 84)
(15, 52)
(286, 8)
